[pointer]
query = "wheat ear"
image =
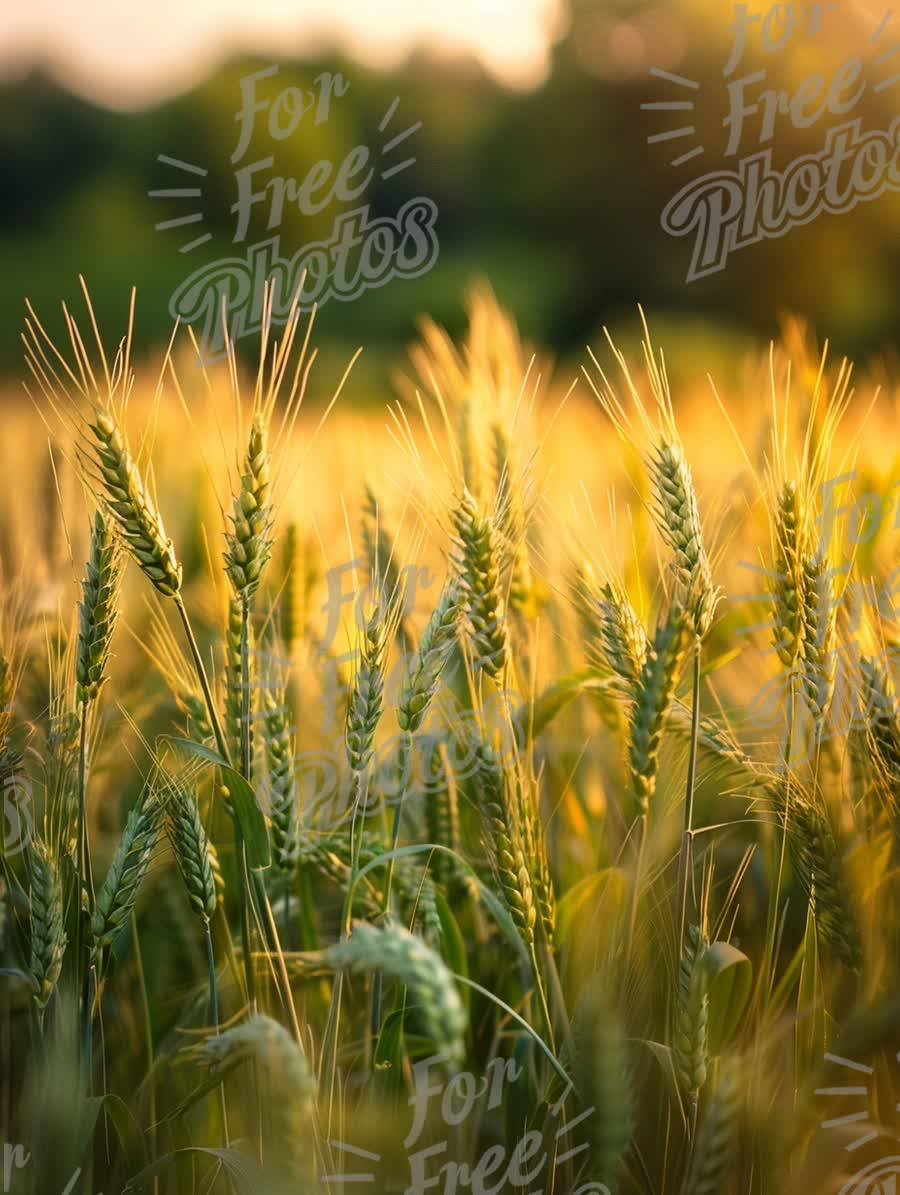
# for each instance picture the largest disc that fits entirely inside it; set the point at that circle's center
(130, 505)
(879, 704)
(191, 849)
(284, 811)
(605, 1079)
(508, 851)
(97, 611)
(366, 703)
(48, 937)
(817, 637)
(653, 694)
(716, 1140)
(249, 539)
(786, 588)
(420, 683)
(403, 957)
(819, 866)
(288, 1079)
(478, 564)
(690, 1039)
(677, 518)
(511, 522)
(117, 896)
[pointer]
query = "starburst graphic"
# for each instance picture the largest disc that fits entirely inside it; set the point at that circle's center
(857, 1090)
(396, 141)
(682, 105)
(182, 193)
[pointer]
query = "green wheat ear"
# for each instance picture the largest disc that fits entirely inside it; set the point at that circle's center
(605, 1077)
(408, 960)
(249, 540)
(284, 810)
(97, 610)
(478, 562)
(716, 1141)
(879, 707)
(118, 894)
(284, 1070)
(623, 640)
(507, 842)
(690, 1040)
(420, 684)
(48, 937)
(786, 589)
(677, 518)
(234, 709)
(191, 849)
(366, 702)
(131, 507)
(820, 869)
(653, 693)
(817, 636)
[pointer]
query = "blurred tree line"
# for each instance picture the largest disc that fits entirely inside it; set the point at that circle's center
(554, 195)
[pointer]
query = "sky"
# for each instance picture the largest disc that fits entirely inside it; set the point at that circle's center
(130, 55)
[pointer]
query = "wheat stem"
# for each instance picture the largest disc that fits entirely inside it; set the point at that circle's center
(200, 669)
(685, 858)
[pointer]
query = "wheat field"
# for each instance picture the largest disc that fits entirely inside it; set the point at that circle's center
(495, 792)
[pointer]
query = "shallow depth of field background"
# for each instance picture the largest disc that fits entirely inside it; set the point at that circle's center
(533, 146)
